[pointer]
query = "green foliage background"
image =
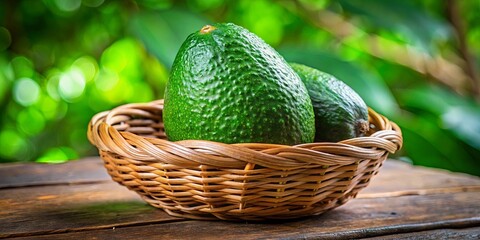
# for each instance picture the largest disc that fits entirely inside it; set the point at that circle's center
(413, 61)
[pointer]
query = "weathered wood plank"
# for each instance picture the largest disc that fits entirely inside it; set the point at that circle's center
(60, 208)
(133, 220)
(80, 171)
(35, 201)
(397, 178)
(464, 233)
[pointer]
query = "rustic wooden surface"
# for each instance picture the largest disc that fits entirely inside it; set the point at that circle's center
(78, 200)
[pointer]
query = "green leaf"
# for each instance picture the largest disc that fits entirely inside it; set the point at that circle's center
(427, 144)
(465, 123)
(368, 85)
(163, 32)
(412, 22)
(452, 112)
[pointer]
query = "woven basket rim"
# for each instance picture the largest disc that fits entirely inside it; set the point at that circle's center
(109, 133)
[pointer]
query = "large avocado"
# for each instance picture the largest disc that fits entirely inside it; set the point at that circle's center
(228, 85)
(340, 113)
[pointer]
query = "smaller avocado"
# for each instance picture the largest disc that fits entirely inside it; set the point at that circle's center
(340, 113)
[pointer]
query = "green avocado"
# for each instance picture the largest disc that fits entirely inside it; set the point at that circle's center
(228, 85)
(340, 113)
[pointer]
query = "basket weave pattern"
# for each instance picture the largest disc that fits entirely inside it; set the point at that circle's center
(254, 181)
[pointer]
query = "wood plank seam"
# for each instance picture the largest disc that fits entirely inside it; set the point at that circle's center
(71, 230)
(394, 229)
(430, 191)
(349, 234)
(54, 184)
(412, 192)
(446, 233)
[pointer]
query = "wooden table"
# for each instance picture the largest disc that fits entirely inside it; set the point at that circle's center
(78, 200)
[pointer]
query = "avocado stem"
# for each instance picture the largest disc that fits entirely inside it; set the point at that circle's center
(362, 127)
(207, 29)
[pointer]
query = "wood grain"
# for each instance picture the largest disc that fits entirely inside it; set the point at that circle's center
(394, 177)
(78, 200)
(437, 234)
(358, 218)
(87, 170)
(60, 208)
(400, 178)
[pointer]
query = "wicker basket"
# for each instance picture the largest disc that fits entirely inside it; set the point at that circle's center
(253, 181)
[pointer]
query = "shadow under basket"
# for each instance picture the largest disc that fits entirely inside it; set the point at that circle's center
(248, 181)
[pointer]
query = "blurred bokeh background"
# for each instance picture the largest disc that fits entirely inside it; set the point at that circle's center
(416, 62)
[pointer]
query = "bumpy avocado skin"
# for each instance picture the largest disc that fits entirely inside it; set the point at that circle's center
(340, 113)
(229, 86)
